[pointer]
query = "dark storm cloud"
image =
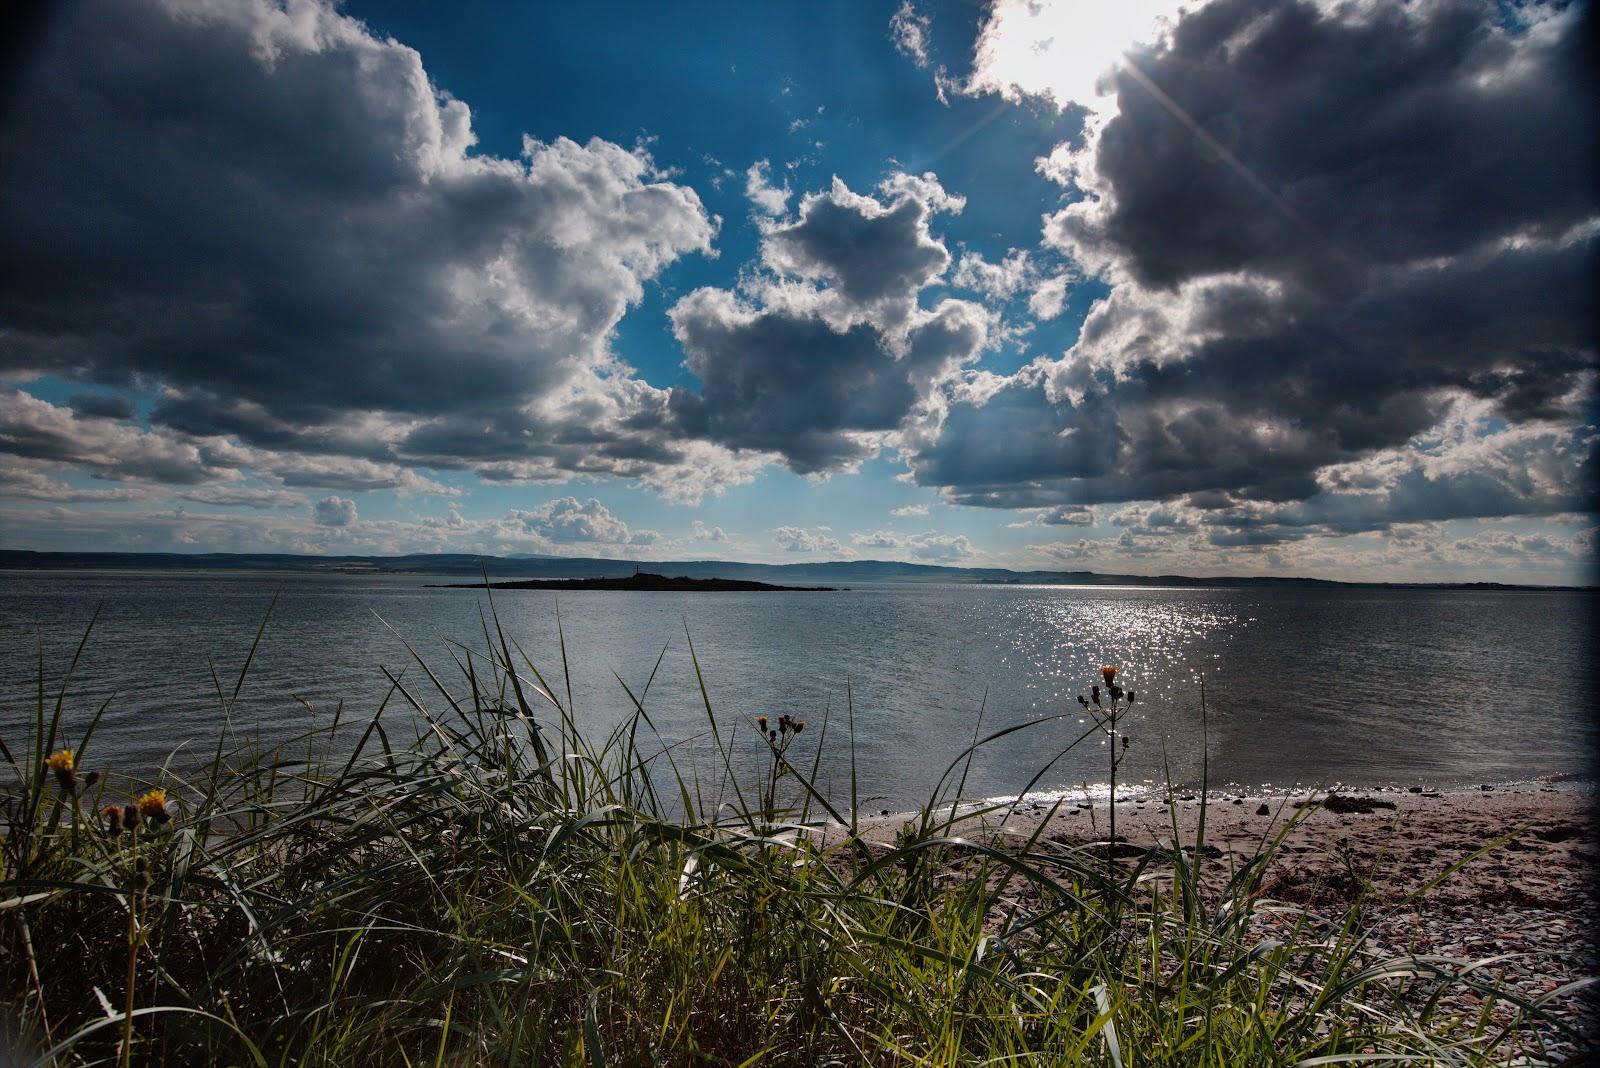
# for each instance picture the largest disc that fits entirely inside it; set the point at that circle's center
(1388, 215)
(1394, 132)
(811, 372)
(35, 431)
(275, 215)
(101, 406)
(795, 385)
(868, 251)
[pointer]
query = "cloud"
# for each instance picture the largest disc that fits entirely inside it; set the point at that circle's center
(1065, 52)
(1050, 297)
(702, 533)
(929, 546)
(912, 33)
(1146, 520)
(277, 531)
(1018, 272)
(909, 510)
(1313, 263)
(35, 429)
(338, 472)
(801, 540)
(997, 281)
(868, 250)
(101, 406)
(793, 385)
(822, 356)
(32, 480)
(761, 192)
(877, 539)
(249, 497)
(567, 520)
(1063, 517)
(284, 281)
(334, 512)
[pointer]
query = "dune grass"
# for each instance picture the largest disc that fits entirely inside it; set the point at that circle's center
(476, 882)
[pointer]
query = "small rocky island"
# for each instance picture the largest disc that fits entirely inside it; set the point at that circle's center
(639, 580)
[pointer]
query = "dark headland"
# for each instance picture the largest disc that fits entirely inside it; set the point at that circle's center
(642, 580)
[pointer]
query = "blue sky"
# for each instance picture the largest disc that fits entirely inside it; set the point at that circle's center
(1262, 288)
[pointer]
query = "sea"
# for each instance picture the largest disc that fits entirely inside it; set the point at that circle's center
(1248, 688)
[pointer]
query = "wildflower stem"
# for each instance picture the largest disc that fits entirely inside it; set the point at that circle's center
(133, 961)
(1111, 807)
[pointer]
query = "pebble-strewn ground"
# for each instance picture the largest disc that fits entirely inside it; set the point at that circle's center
(1532, 899)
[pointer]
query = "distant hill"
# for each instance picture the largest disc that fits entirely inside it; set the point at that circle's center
(500, 568)
(639, 582)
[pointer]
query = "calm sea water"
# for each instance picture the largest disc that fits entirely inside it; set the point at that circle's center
(1303, 687)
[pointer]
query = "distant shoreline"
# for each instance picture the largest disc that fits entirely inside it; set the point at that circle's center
(643, 581)
(504, 569)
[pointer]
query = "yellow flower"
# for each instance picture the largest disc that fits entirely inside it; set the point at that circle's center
(153, 805)
(63, 763)
(1108, 672)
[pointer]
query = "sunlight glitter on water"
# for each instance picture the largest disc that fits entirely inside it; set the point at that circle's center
(1301, 686)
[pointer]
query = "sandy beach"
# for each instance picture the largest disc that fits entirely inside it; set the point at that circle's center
(1530, 900)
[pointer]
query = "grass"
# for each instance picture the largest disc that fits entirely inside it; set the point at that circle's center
(477, 882)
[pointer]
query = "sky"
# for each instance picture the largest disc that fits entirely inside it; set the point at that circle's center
(1234, 287)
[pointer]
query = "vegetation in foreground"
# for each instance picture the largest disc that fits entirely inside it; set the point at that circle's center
(497, 888)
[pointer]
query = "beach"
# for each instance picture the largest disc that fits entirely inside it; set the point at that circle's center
(1529, 901)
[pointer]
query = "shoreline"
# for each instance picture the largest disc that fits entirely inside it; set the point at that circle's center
(1142, 797)
(1532, 899)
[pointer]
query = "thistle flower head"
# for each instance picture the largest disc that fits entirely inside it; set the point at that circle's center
(1108, 672)
(153, 805)
(112, 814)
(64, 764)
(761, 723)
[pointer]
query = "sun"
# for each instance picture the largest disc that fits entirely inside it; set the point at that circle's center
(1063, 49)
